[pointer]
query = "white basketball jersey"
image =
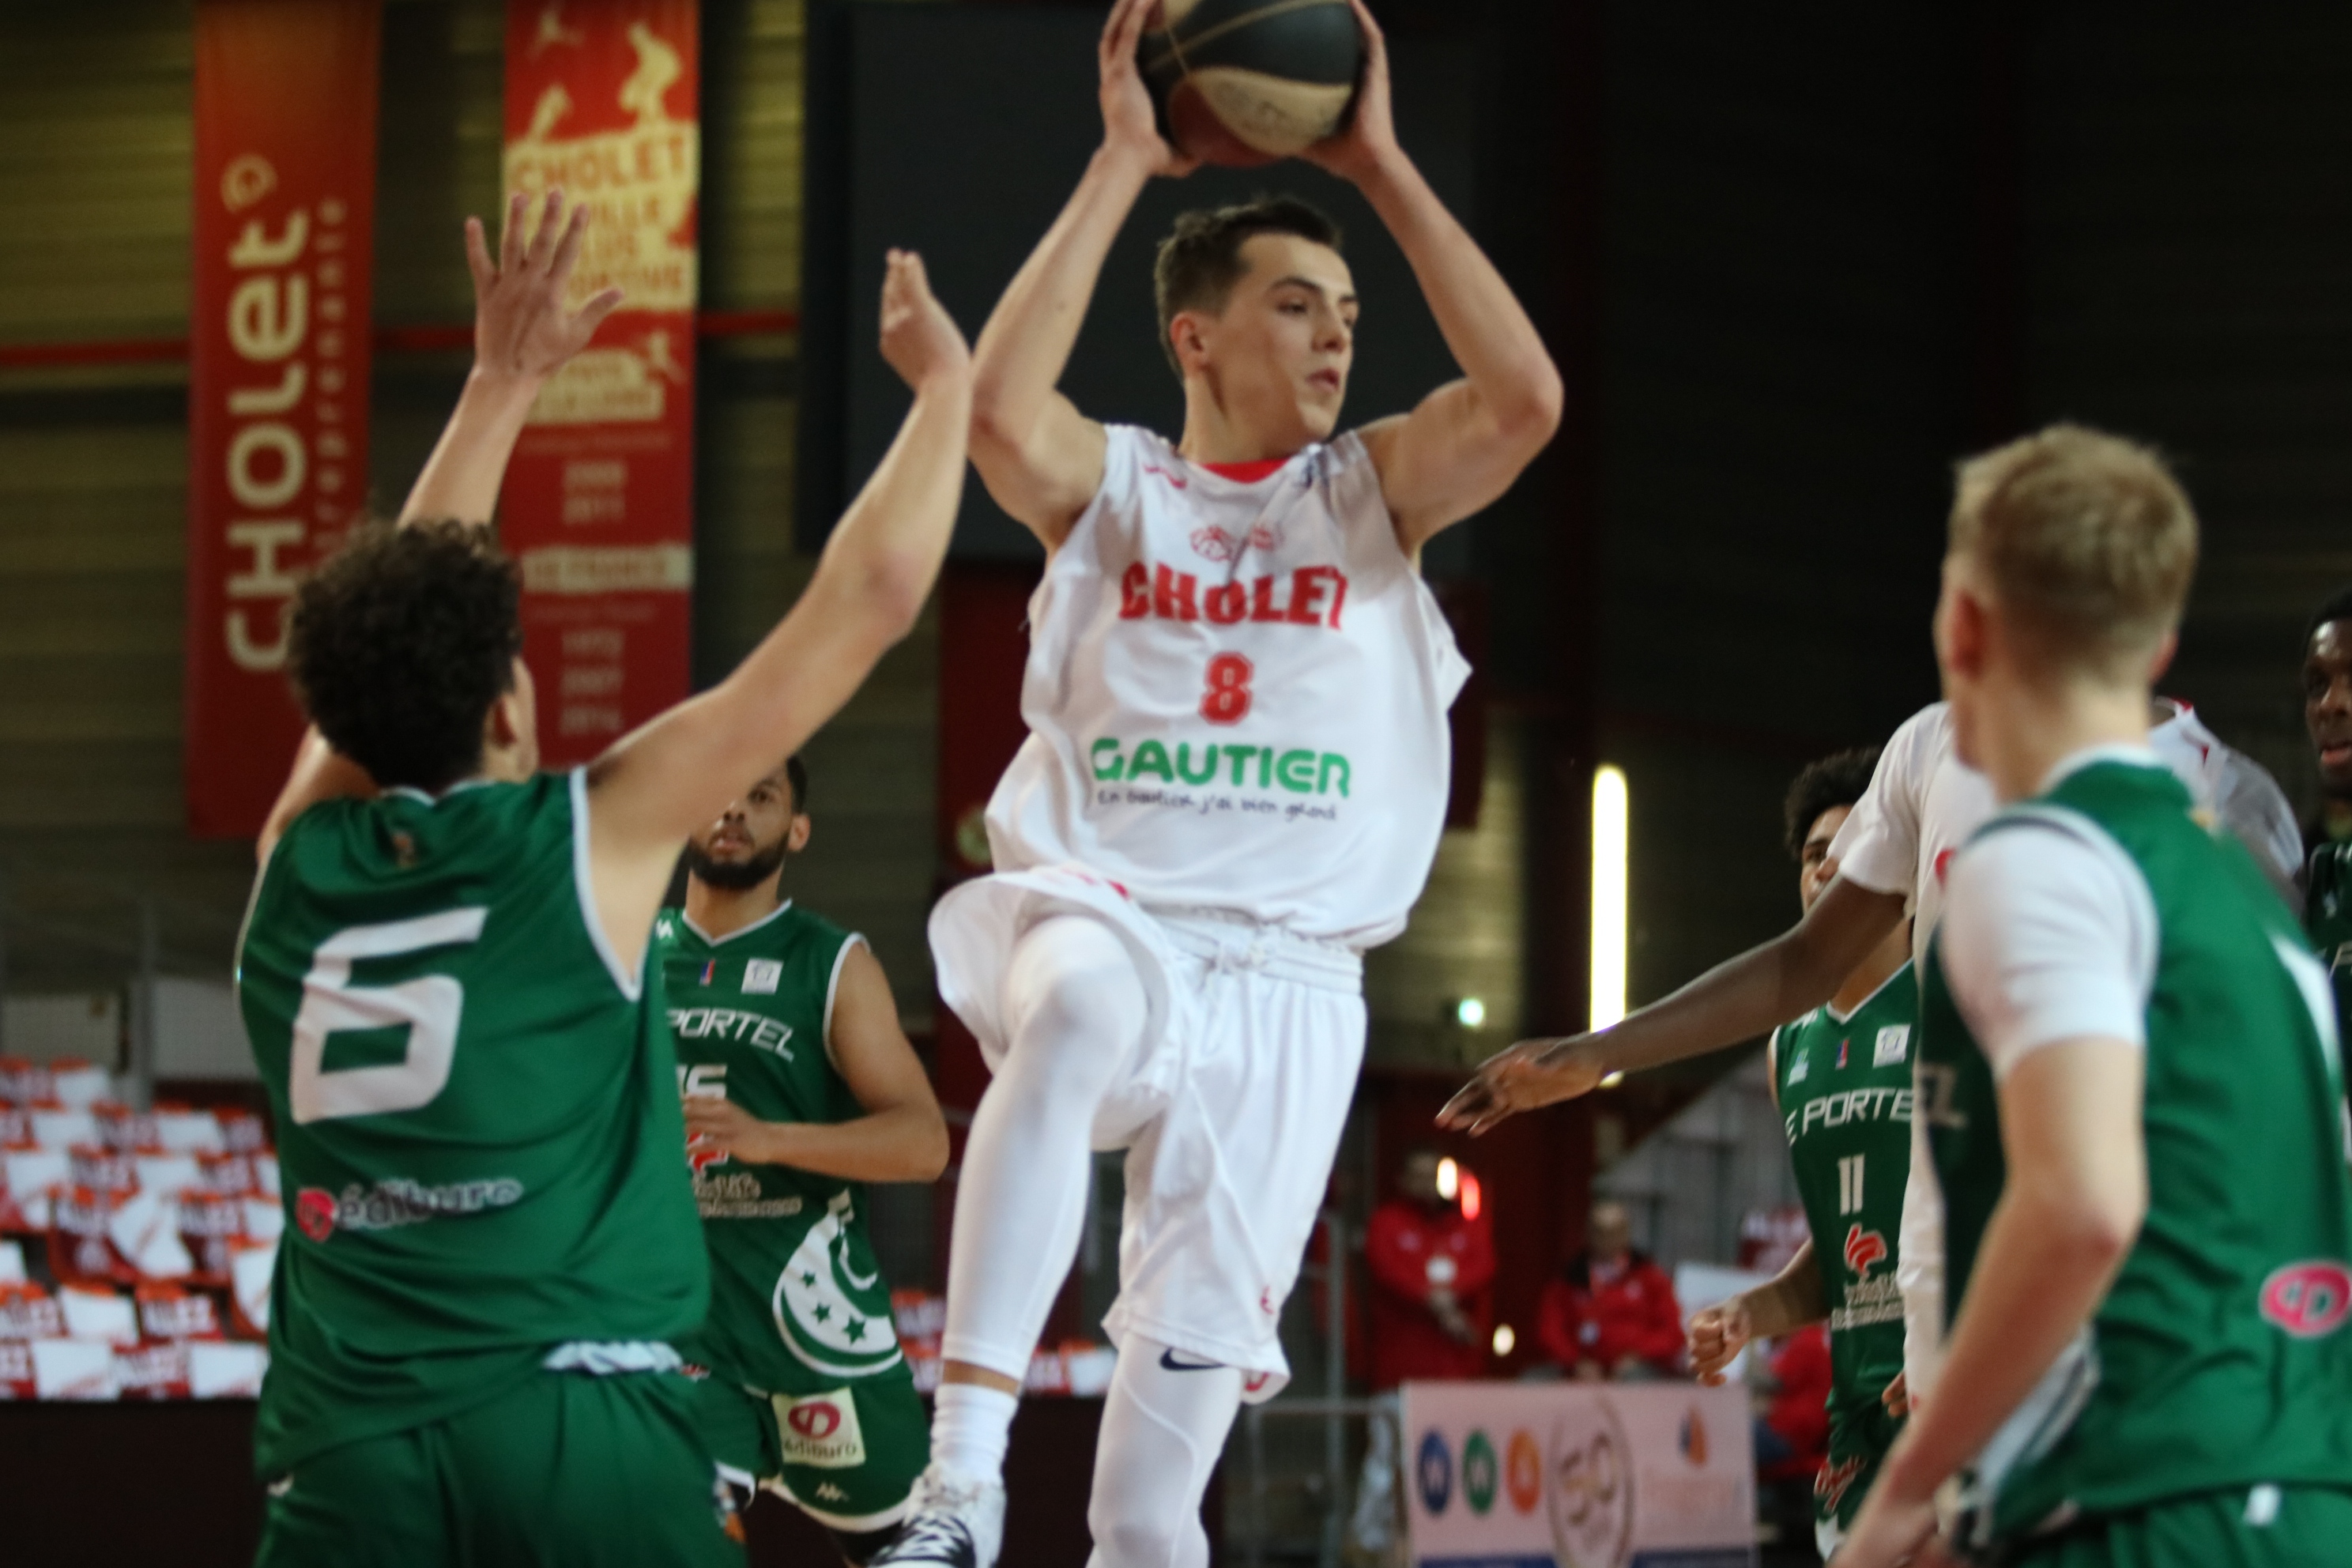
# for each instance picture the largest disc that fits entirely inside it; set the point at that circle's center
(1236, 696)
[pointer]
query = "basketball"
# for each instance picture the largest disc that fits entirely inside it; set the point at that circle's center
(1242, 82)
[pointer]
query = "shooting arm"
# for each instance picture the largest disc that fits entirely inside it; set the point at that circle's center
(656, 785)
(1466, 443)
(523, 334)
(902, 1137)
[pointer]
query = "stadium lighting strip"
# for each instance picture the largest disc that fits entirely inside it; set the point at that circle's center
(1610, 813)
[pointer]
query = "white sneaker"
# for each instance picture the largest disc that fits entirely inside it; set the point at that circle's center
(955, 1523)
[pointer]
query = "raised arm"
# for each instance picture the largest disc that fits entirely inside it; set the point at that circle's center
(1040, 458)
(656, 785)
(1468, 442)
(1736, 1000)
(523, 334)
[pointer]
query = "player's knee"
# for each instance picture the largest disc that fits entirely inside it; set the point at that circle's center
(1072, 994)
(1130, 1534)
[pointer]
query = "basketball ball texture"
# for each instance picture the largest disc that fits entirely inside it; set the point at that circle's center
(1247, 81)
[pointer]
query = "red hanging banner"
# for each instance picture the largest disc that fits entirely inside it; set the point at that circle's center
(602, 99)
(277, 375)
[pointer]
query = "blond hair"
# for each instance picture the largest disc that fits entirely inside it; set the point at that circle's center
(2085, 540)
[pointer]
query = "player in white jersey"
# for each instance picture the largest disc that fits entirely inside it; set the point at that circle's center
(1234, 782)
(1891, 855)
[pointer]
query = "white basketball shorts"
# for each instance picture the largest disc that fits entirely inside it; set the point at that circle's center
(1231, 1111)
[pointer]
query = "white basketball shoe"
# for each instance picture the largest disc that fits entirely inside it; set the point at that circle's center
(955, 1523)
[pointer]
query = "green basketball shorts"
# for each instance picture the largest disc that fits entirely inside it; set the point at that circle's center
(2267, 1527)
(847, 1457)
(564, 1470)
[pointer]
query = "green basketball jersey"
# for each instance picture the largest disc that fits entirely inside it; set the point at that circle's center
(1845, 1087)
(2218, 1359)
(478, 1118)
(2327, 918)
(798, 1303)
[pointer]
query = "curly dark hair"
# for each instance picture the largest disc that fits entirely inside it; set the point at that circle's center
(400, 643)
(1839, 779)
(1200, 260)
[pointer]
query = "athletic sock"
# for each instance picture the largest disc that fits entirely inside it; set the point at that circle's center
(970, 1427)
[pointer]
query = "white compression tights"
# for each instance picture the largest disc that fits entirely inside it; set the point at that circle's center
(1074, 1011)
(1163, 1427)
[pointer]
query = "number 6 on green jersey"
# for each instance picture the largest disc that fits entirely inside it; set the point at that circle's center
(427, 1007)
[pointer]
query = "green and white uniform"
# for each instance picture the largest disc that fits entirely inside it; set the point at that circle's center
(2328, 916)
(2205, 1400)
(808, 1390)
(478, 1127)
(1844, 1092)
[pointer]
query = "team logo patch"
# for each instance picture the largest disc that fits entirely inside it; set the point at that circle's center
(2309, 1300)
(762, 977)
(820, 1430)
(314, 1212)
(1216, 544)
(1894, 1045)
(1864, 1250)
(1802, 1068)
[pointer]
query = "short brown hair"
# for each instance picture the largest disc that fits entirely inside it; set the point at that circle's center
(1200, 260)
(2086, 541)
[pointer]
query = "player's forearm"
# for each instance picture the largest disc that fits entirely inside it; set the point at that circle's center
(902, 1143)
(1026, 344)
(1484, 324)
(469, 464)
(2045, 1264)
(1790, 1299)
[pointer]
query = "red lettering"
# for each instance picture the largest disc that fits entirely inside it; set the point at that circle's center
(1339, 594)
(1171, 595)
(1135, 592)
(1226, 603)
(1306, 590)
(1262, 600)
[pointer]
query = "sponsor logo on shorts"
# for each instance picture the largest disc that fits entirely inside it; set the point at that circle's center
(1168, 1359)
(396, 1201)
(820, 1430)
(1832, 1482)
(2309, 1300)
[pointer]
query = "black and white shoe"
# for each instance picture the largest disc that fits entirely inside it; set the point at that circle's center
(954, 1523)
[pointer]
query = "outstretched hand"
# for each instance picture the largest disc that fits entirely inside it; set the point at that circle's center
(920, 339)
(1529, 1074)
(521, 328)
(1370, 135)
(1131, 125)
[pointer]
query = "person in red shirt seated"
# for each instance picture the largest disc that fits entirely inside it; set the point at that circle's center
(1432, 1274)
(1793, 1435)
(1611, 1313)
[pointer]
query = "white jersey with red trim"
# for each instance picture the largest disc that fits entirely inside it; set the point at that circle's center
(1236, 696)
